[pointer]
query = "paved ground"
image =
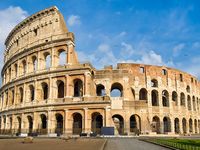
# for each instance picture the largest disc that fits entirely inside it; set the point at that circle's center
(130, 144)
(52, 144)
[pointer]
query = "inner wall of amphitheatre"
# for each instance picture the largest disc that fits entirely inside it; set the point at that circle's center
(45, 89)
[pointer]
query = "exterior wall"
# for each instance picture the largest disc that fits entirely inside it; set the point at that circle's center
(23, 110)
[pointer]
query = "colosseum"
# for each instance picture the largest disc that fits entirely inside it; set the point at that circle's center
(45, 90)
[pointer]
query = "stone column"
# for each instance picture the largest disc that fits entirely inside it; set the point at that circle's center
(35, 122)
(51, 122)
(67, 129)
(107, 117)
(87, 78)
(172, 126)
(86, 127)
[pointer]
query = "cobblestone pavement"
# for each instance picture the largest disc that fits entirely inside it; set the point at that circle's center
(130, 144)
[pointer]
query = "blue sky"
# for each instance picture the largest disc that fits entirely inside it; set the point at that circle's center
(159, 32)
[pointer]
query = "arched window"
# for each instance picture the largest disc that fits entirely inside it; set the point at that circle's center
(59, 124)
(61, 89)
(78, 88)
(15, 70)
(13, 96)
(24, 67)
(156, 124)
(45, 90)
(188, 89)
(116, 90)
(189, 102)
(21, 94)
(47, 57)
(175, 97)
(167, 124)
(32, 92)
(164, 72)
(100, 90)
(154, 97)
(119, 123)
(165, 98)
(62, 57)
(96, 122)
(154, 83)
(77, 123)
(143, 94)
(43, 121)
(182, 99)
(9, 74)
(194, 103)
(30, 124)
(34, 62)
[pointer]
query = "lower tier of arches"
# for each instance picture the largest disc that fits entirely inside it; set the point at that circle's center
(92, 120)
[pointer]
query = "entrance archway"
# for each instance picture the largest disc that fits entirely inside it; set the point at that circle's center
(43, 124)
(166, 124)
(184, 123)
(156, 124)
(97, 122)
(135, 124)
(119, 123)
(59, 124)
(30, 124)
(176, 125)
(77, 123)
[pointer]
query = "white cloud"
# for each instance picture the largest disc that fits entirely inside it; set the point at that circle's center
(178, 48)
(74, 20)
(10, 17)
(126, 50)
(151, 58)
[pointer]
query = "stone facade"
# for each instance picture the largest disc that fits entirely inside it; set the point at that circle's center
(46, 90)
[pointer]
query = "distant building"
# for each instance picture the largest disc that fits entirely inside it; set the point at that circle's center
(44, 93)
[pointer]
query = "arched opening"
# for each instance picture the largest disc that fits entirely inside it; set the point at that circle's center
(188, 89)
(45, 90)
(61, 89)
(143, 94)
(97, 122)
(10, 130)
(78, 88)
(135, 124)
(133, 92)
(164, 72)
(176, 125)
(47, 57)
(190, 125)
(189, 102)
(175, 97)
(43, 124)
(194, 104)
(184, 125)
(182, 99)
(156, 124)
(154, 98)
(119, 123)
(13, 97)
(166, 124)
(32, 92)
(21, 94)
(100, 90)
(77, 123)
(165, 98)
(15, 70)
(195, 126)
(19, 124)
(23, 67)
(154, 83)
(62, 57)
(34, 63)
(116, 90)
(30, 124)
(59, 124)
(198, 126)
